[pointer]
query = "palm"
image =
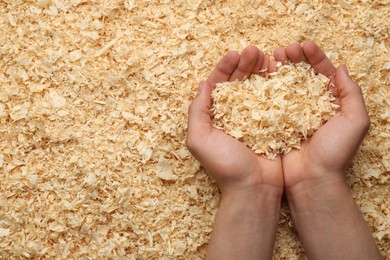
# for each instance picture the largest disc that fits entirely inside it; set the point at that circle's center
(233, 160)
(328, 149)
(225, 158)
(333, 145)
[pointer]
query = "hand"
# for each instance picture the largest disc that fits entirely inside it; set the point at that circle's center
(251, 185)
(325, 214)
(326, 154)
(228, 161)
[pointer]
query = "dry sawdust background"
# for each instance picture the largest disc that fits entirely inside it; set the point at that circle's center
(93, 107)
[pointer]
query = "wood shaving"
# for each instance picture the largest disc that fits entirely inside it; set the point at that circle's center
(93, 112)
(273, 114)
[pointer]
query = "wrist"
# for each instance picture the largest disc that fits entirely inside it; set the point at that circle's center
(262, 202)
(328, 220)
(311, 179)
(256, 191)
(317, 192)
(246, 222)
(257, 182)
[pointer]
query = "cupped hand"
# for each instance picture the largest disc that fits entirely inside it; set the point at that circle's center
(233, 165)
(324, 156)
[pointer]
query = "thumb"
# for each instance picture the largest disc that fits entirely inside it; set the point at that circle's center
(199, 121)
(350, 94)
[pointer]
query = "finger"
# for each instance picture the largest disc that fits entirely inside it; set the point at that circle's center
(280, 55)
(295, 53)
(248, 60)
(318, 60)
(199, 121)
(224, 68)
(350, 94)
(272, 65)
(264, 66)
(332, 87)
(259, 63)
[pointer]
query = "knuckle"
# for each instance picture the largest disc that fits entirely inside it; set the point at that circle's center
(357, 86)
(190, 143)
(364, 123)
(194, 143)
(191, 107)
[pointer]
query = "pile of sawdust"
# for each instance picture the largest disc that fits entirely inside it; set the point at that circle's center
(272, 115)
(93, 116)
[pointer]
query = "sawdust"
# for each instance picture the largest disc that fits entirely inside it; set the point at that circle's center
(93, 116)
(273, 114)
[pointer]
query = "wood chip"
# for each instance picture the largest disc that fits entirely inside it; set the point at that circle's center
(273, 115)
(93, 117)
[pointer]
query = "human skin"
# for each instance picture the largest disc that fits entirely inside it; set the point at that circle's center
(251, 185)
(327, 219)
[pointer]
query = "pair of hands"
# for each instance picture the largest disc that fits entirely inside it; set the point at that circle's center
(323, 157)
